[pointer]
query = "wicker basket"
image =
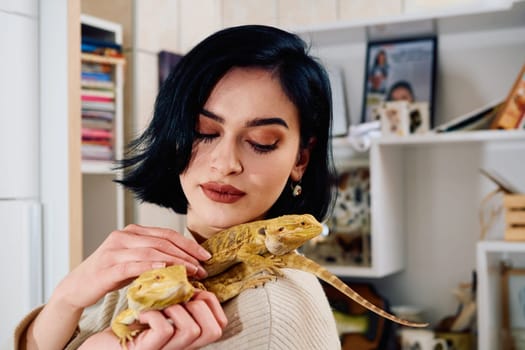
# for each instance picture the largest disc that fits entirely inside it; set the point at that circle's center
(514, 205)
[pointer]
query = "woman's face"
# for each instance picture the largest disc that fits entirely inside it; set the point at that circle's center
(401, 94)
(246, 149)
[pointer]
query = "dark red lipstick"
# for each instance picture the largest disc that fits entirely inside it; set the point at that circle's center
(222, 193)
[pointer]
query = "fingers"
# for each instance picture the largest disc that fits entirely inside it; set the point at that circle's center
(213, 304)
(126, 254)
(196, 323)
(156, 259)
(139, 243)
(183, 326)
(160, 331)
(187, 245)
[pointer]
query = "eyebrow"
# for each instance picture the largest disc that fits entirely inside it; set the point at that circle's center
(251, 123)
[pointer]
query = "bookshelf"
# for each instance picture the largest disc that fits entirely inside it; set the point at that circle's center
(426, 189)
(102, 87)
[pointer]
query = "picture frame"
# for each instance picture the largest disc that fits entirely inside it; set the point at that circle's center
(340, 121)
(399, 69)
(512, 297)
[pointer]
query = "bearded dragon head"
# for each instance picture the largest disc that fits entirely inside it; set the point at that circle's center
(286, 233)
(159, 288)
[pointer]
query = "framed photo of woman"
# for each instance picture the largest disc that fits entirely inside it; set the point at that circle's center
(402, 69)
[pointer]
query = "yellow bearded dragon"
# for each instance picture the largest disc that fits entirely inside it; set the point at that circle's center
(243, 276)
(243, 243)
(243, 256)
(152, 290)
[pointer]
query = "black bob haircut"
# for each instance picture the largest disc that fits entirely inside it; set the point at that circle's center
(155, 160)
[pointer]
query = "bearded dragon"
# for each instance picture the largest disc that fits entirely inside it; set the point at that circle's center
(248, 242)
(241, 277)
(243, 243)
(243, 256)
(152, 290)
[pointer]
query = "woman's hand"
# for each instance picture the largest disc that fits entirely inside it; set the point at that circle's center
(124, 255)
(191, 325)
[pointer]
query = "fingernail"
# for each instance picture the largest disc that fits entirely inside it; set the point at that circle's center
(201, 272)
(158, 265)
(205, 254)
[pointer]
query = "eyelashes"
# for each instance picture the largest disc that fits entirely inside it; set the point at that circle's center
(261, 149)
(256, 147)
(206, 138)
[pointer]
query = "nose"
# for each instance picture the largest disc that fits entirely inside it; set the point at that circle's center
(225, 158)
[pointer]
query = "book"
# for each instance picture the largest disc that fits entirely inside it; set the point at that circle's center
(98, 93)
(96, 123)
(513, 109)
(99, 106)
(89, 113)
(478, 119)
(97, 84)
(96, 98)
(98, 76)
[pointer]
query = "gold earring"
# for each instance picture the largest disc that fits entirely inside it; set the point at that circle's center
(297, 190)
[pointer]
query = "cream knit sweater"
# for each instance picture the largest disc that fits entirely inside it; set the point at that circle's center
(291, 313)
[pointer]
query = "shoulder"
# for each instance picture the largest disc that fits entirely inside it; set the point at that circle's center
(289, 313)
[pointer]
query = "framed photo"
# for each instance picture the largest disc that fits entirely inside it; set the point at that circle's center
(396, 70)
(339, 109)
(513, 297)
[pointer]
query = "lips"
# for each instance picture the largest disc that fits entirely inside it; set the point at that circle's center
(222, 193)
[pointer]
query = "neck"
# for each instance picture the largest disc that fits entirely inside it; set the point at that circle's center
(199, 238)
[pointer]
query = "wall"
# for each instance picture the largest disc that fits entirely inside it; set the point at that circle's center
(177, 25)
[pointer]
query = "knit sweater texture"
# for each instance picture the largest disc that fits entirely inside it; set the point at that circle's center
(291, 313)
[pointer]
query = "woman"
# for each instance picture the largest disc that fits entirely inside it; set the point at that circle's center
(379, 73)
(240, 132)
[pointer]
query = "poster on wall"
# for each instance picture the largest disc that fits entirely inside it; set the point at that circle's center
(396, 70)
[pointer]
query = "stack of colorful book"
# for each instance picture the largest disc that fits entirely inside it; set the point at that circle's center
(98, 111)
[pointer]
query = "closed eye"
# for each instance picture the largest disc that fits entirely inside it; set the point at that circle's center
(259, 148)
(205, 137)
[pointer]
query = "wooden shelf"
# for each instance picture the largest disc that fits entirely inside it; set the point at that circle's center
(97, 167)
(103, 199)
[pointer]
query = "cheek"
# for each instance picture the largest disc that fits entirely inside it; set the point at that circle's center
(270, 170)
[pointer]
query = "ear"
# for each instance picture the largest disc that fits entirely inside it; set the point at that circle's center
(303, 158)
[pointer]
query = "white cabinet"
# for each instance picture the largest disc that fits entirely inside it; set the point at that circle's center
(102, 124)
(426, 189)
(19, 115)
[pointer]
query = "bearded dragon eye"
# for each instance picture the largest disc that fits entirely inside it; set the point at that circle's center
(303, 223)
(281, 229)
(262, 231)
